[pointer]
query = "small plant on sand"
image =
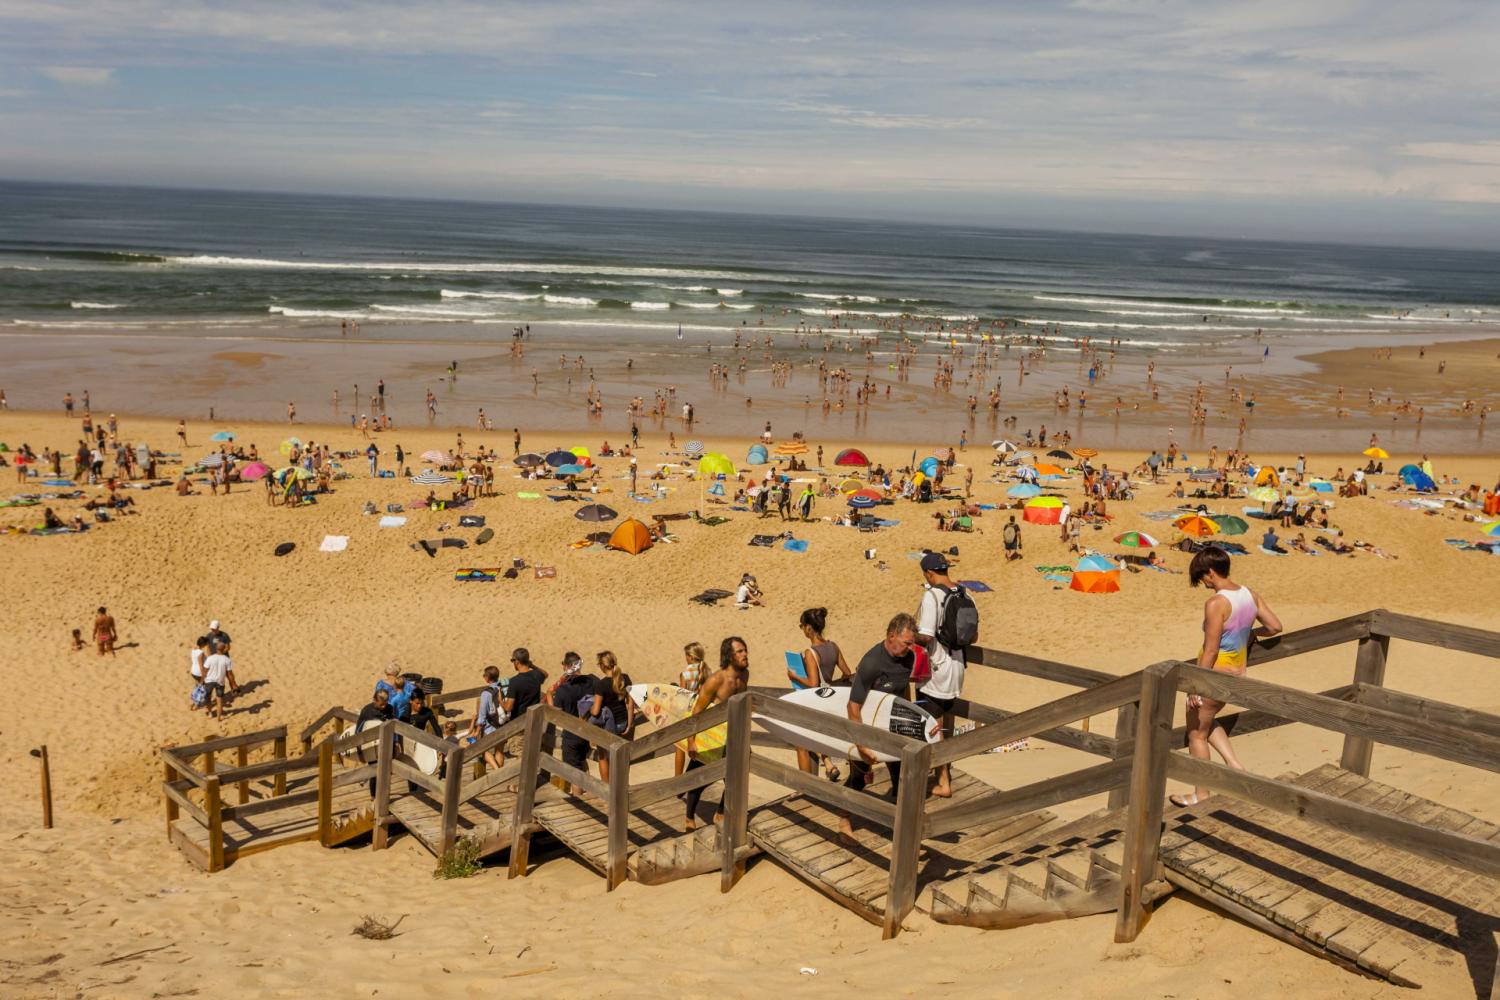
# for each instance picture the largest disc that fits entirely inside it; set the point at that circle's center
(460, 862)
(372, 929)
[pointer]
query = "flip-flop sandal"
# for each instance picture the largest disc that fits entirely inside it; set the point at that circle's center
(1183, 801)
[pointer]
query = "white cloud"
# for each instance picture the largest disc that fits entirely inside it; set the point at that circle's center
(79, 76)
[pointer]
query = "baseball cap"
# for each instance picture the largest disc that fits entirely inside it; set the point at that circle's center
(934, 562)
(214, 623)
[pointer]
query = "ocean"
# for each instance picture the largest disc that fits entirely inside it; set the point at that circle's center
(123, 260)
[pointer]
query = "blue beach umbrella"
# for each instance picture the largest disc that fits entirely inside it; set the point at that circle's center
(222, 436)
(1024, 491)
(1097, 564)
(861, 502)
(1410, 470)
(1422, 483)
(570, 470)
(561, 458)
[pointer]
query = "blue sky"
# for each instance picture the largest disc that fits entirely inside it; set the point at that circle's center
(1326, 119)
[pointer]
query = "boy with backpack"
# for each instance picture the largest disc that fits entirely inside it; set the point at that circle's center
(947, 624)
(489, 714)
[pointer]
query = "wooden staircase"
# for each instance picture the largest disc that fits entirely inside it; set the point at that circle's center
(1054, 884)
(673, 858)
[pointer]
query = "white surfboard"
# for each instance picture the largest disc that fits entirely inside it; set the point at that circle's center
(883, 711)
(423, 757)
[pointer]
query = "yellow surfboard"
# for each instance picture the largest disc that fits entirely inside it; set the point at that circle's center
(664, 704)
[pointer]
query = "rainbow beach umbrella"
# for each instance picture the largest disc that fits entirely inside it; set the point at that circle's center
(1137, 540)
(1043, 510)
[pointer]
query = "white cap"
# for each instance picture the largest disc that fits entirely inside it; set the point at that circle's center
(214, 623)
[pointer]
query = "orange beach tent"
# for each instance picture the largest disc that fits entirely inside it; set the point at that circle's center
(631, 536)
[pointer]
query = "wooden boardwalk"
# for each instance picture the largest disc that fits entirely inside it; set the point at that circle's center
(1357, 901)
(277, 825)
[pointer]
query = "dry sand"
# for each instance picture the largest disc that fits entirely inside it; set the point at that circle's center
(316, 628)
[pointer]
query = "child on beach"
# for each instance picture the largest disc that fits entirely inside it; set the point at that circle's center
(77, 639)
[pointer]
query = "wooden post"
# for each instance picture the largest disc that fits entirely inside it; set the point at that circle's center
(531, 765)
(384, 755)
(619, 814)
(906, 837)
(278, 748)
(1369, 668)
(1125, 717)
(212, 805)
(734, 834)
(325, 794)
(41, 754)
(1148, 789)
(452, 785)
(169, 775)
(242, 758)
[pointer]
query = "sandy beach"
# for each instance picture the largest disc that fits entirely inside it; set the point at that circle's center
(315, 629)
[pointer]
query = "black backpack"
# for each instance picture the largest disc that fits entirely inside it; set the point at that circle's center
(960, 626)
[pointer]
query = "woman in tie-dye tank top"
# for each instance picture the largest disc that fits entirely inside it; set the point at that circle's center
(1232, 618)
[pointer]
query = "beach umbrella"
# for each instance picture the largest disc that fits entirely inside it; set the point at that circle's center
(580, 451)
(254, 471)
(861, 502)
(1137, 540)
(1231, 525)
(595, 512)
(791, 448)
(851, 456)
(1021, 456)
(1024, 491)
(1059, 453)
(1085, 453)
(571, 469)
(1047, 469)
(1376, 453)
(1267, 476)
(757, 455)
(1004, 447)
(1492, 529)
(929, 467)
(211, 461)
(529, 460)
(1265, 494)
(868, 494)
(715, 464)
(431, 477)
(1196, 525)
(437, 457)
(1409, 470)
(1095, 575)
(292, 472)
(1043, 510)
(222, 436)
(850, 486)
(290, 445)
(693, 449)
(560, 458)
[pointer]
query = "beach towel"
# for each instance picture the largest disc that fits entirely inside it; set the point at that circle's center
(527, 496)
(975, 586)
(334, 543)
(764, 541)
(471, 574)
(715, 521)
(545, 572)
(392, 522)
(471, 521)
(795, 545)
(885, 523)
(1269, 552)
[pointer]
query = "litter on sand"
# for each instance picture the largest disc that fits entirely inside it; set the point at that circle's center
(334, 543)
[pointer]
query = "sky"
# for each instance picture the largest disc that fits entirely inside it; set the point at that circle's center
(1313, 119)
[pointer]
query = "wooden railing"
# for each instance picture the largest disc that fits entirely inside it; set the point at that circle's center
(194, 770)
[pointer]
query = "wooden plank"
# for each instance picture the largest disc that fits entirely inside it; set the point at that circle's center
(242, 758)
(1375, 724)
(999, 805)
(269, 769)
(407, 772)
(278, 752)
(1369, 669)
(194, 852)
(387, 750)
(855, 733)
(566, 721)
(211, 806)
(452, 785)
(521, 820)
(860, 803)
(1031, 666)
(669, 788)
(619, 814)
(182, 767)
(1103, 698)
(1119, 796)
(475, 788)
(325, 794)
(906, 838)
(1471, 853)
(1307, 640)
(336, 712)
(263, 806)
(177, 800)
(738, 761)
(590, 784)
(409, 732)
(1434, 633)
(1148, 781)
(230, 742)
(1428, 710)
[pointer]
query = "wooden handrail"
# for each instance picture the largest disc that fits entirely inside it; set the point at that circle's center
(1422, 839)
(1314, 637)
(182, 767)
(1465, 638)
(438, 700)
(597, 735)
(269, 768)
(573, 775)
(478, 786)
(421, 779)
(409, 732)
(1031, 666)
(1427, 710)
(993, 807)
(1117, 692)
(511, 727)
(230, 742)
(1361, 721)
(874, 809)
(1068, 736)
(652, 792)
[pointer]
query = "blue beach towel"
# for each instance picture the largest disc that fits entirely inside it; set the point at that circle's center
(975, 586)
(794, 545)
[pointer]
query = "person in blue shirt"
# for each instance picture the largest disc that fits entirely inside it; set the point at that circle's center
(398, 692)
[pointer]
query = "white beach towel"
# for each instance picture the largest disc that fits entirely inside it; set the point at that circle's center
(391, 521)
(334, 543)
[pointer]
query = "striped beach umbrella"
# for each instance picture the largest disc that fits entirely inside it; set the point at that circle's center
(431, 477)
(693, 449)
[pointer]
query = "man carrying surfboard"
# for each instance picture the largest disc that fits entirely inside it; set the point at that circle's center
(885, 668)
(733, 677)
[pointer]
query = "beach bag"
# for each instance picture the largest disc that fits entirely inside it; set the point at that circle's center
(497, 711)
(960, 626)
(605, 719)
(921, 666)
(199, 695)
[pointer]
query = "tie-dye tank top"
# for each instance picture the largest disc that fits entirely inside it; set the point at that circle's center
(1234, 643)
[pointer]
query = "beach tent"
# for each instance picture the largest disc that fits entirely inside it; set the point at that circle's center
(437, 457)
(1043, 510)
(1409, 470)
(1196, 525)
(715, 464)
(1422, 483)
(1137, 540)
(757, 455)
(595, 512)
(631, 536)
(928, 467)
(1267, 476)
(222, 436)
(1095, 575)
(1024, 491)
(851, 456)
(867, 493)
(254, 471)
(554, 459)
